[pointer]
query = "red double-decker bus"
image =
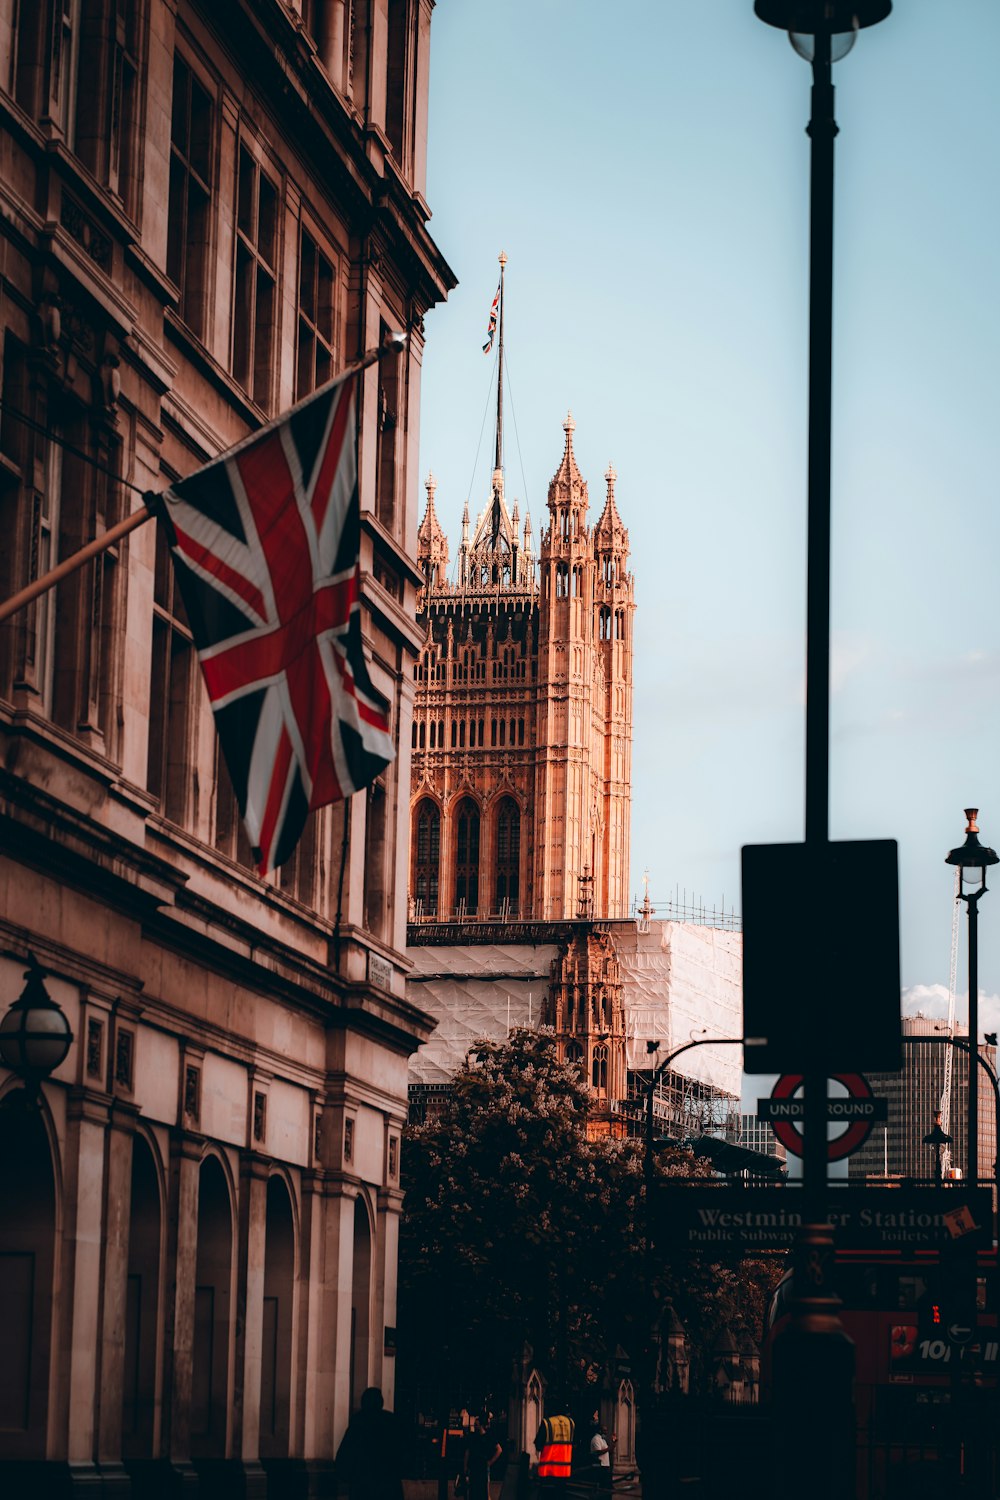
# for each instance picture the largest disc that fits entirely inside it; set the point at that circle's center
(925, 1380)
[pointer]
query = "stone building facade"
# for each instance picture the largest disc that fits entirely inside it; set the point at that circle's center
(522, 731)
(209, 207)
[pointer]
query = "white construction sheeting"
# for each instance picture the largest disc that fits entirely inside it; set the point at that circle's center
(680, 977)
(474, 992)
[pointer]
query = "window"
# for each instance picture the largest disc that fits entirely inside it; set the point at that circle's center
(65, 644)
(254, 301)
(508, 855)
(230, 832)
(388, 423)
(124, 132)
(376, 852)
(395, 82)
(317, 293)
(29, 46)
(188, 226)
(171, 712)
(467, 857)
(105, 129)
(599, 1069)
(427, 845)
(297, 876)
(63, 71)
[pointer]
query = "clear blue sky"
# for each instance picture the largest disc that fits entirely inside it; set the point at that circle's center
(645, 167)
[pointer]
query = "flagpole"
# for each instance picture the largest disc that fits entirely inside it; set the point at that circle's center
(498, 464)
(499, 453)
(394, 344)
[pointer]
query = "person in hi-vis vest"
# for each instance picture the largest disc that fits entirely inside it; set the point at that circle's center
(554, 1442)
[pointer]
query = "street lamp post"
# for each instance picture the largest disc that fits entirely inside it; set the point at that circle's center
(35, 1036)
(821, 31)
(652, 1048)
(937, 1138)
(972, 859)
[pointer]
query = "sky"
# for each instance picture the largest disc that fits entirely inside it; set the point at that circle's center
(645, 168)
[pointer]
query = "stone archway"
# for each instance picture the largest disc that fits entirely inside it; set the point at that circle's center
(212, 1315)
(27, 1267)
(276, 1344)
(142, 1304)
(625, 1425)
(361, 1302)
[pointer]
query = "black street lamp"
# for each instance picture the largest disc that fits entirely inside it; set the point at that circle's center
(937, 1139)
(972, 858)
(815, 1369)
(35, 1036)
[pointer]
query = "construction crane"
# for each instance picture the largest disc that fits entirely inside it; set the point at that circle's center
(949, 1052)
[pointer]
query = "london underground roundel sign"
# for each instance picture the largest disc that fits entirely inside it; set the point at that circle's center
(860, 1116)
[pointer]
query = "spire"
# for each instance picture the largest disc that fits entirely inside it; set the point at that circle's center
(567, 485)
(498, 461)
(610, 529)
(463, 551)
(432, 544)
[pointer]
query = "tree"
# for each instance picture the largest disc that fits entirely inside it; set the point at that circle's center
(517, 1229)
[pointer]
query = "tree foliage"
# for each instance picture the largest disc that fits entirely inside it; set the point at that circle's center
(519, 1230)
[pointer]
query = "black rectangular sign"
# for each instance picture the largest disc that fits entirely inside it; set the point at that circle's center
(748, 1219)
(803, 1009)
(836, 1109)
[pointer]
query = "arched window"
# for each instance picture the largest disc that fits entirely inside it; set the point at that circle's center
(574, 1053)
(508, 887)
(467, 856)
(599, 1071)
(427, 845)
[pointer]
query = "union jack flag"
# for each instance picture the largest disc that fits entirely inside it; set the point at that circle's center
(491, 327)
(265, 542)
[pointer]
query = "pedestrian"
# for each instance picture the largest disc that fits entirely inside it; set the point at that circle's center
(481, 1452)
(370, 1456)
(600, 1454)
(554, 1442)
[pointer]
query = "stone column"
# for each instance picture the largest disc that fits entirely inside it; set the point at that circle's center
(386, 1248)
(250, 1319)
(86, 1125)
(182, 1266)
(116, 1237)
(330, 40)
(328, 1370)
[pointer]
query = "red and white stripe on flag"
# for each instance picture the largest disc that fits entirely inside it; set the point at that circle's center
(265, 542)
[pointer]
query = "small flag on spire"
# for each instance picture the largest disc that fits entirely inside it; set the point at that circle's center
(492, 325)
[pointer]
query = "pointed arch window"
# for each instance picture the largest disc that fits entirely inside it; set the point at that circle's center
(574, 1053)
(427, 845)
(508, 887)
(599, 1069)
(467, 857)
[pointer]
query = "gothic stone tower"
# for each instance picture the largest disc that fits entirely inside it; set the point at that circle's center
(522, 729)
